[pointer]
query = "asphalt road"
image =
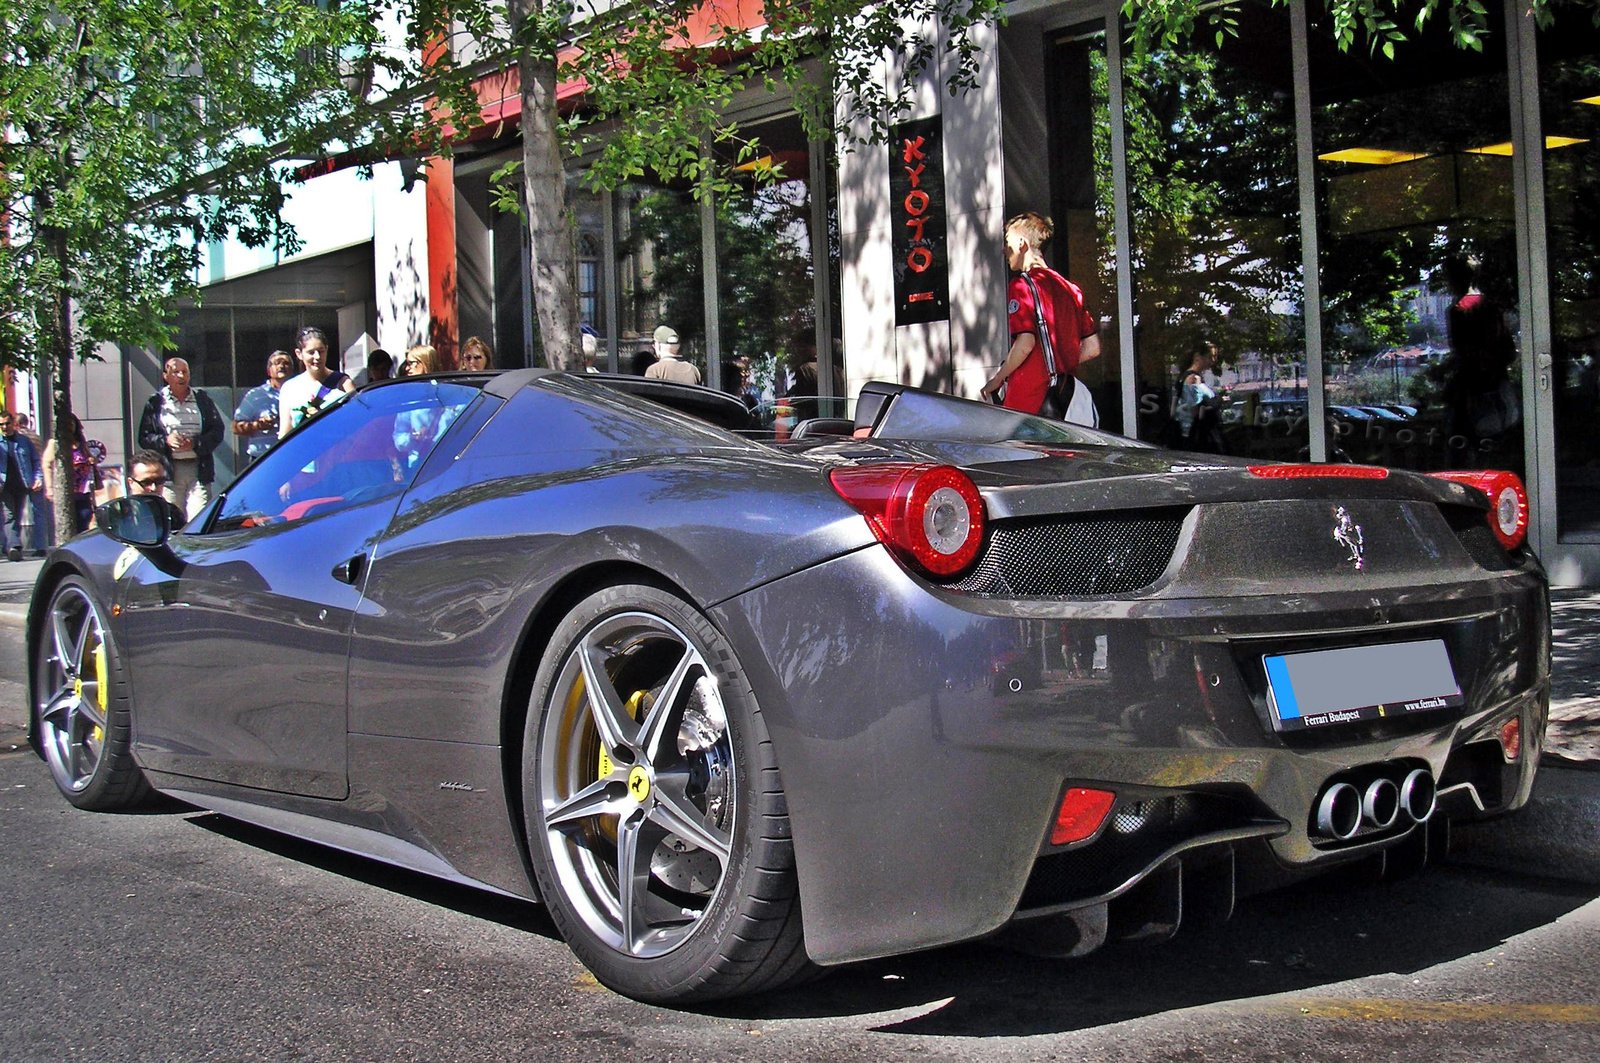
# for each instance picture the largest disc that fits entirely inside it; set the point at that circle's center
(181, 935)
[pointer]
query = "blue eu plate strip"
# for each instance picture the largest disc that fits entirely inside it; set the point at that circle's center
(1282, 688)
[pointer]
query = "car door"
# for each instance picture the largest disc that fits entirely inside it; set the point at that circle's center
(238, 638)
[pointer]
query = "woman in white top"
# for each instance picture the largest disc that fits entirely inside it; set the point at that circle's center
(315, 389)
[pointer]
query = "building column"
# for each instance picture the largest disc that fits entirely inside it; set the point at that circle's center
(955, 355)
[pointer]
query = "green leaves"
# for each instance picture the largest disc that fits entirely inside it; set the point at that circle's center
(1160, 24)
(141, 130)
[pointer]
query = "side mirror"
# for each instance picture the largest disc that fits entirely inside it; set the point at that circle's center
(137, 520)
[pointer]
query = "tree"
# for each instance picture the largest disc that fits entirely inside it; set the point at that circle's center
(135, 132)
(658, 80)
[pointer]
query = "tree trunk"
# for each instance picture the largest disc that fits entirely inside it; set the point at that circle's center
(58, 376)
(544, 182)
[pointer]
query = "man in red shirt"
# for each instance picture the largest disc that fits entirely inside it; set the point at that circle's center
(1073, 333)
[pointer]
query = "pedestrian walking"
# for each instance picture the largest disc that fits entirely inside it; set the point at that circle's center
(380, 366)
(184, 425)
(669, 362)
(420, 360)
(256, 419)
(83, 470)
(315, 389)
(20, 474)
(1051, 333)
(475, 355)
(40, 517)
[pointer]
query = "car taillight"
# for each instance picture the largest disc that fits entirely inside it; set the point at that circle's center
(1508, 502)
(931, 515)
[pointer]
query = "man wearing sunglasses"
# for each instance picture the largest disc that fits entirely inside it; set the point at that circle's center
(148, 475)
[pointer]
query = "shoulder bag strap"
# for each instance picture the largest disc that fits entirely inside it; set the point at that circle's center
(1050, 364)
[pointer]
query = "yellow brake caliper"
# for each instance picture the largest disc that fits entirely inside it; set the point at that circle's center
(637, 704)
(100, 687)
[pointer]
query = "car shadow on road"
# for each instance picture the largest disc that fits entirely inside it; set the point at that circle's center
(1321, 933)
(479, 903)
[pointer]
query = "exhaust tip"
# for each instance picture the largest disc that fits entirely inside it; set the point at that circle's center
(1418, 795)
(1339, 811)
(1380, 804)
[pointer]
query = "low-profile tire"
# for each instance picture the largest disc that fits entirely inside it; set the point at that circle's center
(645, 750)
(81, 704)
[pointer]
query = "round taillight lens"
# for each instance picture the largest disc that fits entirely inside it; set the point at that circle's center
(1510, 514)
(1508, 502)
(930, 515)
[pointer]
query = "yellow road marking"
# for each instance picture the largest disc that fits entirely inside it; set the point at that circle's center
(1439, 1011)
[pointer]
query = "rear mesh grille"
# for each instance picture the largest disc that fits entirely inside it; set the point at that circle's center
(1085, 556)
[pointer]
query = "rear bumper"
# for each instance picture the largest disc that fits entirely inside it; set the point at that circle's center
(922, 782)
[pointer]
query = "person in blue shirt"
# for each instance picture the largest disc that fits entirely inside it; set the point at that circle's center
(20, 474)
(256, 419)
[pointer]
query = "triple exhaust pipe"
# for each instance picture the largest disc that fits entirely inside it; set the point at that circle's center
(1342, 808)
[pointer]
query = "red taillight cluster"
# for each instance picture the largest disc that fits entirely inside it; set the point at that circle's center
(930, 515)
(1508, 502)
(1310, 470)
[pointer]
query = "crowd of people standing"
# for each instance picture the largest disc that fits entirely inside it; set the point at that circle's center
(179, 432)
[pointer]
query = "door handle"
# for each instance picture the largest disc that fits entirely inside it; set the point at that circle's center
(349, 571)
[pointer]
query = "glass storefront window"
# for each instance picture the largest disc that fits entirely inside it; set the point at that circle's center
(660, 279)
(1213, 195)
(588, 214)
(1569, 100)
(1418, 253)
(1082, 201)
(766, 283)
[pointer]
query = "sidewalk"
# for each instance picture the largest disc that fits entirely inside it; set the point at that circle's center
(16, 586)
(1557, 835)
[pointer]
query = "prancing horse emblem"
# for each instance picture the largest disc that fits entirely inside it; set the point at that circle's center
(1348, 534)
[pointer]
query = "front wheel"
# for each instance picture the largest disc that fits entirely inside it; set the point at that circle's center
(655, 812)
(81, 704)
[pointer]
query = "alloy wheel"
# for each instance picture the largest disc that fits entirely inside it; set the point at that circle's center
(637, 784)
(73, 689)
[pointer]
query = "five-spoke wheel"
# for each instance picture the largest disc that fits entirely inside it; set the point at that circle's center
(653, 804)
(80, 705)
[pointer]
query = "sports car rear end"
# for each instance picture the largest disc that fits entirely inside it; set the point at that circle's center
(1160, 684)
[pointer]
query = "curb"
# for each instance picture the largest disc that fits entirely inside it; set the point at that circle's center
(1557, 835)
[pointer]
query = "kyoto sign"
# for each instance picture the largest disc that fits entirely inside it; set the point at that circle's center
(917, 221)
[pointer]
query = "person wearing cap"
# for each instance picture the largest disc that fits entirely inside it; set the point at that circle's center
(669, 366)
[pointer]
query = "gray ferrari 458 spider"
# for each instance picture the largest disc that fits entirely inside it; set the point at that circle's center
(736, 709)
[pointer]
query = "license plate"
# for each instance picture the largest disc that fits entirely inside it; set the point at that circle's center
(1326, 688)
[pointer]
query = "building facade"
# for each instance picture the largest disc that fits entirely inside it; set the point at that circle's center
(1398, 261)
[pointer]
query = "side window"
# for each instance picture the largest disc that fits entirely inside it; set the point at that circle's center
(365, 448)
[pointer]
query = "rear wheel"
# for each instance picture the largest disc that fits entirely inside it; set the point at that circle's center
(656, 815)
(81, 704)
